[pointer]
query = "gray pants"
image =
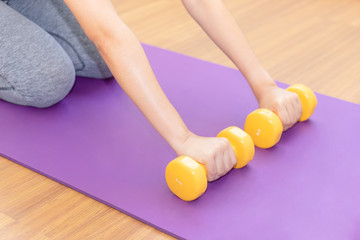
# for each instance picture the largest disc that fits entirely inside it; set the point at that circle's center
(42, 48)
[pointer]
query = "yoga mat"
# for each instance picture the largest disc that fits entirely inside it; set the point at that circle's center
(97, 142)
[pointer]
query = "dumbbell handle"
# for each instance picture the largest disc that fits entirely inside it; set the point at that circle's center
(265, 127)
(186, 177)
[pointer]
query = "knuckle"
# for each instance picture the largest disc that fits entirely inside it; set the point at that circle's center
(209, 155)
(225, 143)
(222, 142)
(218, 147)
(277, 103)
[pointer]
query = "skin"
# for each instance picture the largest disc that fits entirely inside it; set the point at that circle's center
(126, 59)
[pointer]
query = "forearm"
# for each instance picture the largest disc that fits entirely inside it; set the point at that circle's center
(222, 28)
(131, 69)
(126, 59)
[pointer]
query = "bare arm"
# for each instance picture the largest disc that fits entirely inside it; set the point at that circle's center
(222, 28)
(127, 61)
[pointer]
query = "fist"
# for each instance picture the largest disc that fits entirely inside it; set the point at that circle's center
(283, 103)
(215, 153)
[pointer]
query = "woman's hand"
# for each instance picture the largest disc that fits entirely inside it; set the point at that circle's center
(221, 27)
(215, 153)
(285, 104)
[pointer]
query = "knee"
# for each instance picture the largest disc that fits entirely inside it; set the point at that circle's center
(51, 85)
(57, 87)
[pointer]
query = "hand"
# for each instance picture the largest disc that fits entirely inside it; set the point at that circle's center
(215, 153)
(283, 103)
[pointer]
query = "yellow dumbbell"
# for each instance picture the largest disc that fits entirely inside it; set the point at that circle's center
(186, 177)
(265, 127)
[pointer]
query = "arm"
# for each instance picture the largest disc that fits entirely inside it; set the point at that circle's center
(222, 28)
(127, 61)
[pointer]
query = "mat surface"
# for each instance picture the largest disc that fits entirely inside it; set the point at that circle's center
(97, 142)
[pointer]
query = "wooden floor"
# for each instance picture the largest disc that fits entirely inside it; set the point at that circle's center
(313, 42)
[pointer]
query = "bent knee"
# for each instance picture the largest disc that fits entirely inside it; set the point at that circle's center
(49, 86)
(57, 86)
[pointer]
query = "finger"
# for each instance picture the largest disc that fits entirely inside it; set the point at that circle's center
(220, 167)
(232, 158)
(296, 112)
(226, 161)
(228, 156)
(291, 114)
(211, 168)
(293, 108)
(298, 107)
(284, 116)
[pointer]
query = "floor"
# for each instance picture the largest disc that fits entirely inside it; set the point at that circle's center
(313, 42)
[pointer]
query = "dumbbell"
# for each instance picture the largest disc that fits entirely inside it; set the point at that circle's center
(186, 177)
(265, 127)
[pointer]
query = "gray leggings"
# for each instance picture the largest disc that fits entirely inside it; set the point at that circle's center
(42, 48)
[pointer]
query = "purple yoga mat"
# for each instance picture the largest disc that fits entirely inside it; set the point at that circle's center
(97, 142)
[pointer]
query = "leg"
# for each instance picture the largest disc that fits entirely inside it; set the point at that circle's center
(55, 18)
(34, 69)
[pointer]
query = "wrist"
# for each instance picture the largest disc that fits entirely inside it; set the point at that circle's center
(260, 82)
(178, 140)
